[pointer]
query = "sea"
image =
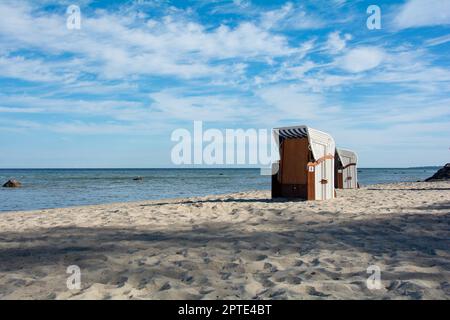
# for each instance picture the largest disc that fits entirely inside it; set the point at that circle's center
(58, 188)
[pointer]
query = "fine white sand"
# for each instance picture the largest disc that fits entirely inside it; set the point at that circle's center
(235, 246)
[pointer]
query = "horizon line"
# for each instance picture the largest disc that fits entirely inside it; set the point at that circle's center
(186, 168)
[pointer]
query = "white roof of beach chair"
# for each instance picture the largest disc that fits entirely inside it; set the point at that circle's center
(347, 156)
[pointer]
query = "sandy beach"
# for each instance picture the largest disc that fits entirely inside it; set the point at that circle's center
(236, 246)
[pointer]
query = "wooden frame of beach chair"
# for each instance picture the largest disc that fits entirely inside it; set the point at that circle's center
(306, 166)
(346, 173)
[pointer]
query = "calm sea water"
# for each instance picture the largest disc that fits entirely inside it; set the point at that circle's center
(55, 188)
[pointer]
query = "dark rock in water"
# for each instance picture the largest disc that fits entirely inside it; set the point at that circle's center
(442, 174)
(12, 184)
(138, 179)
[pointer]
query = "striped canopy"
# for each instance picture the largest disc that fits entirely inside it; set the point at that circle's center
(317, 139)
(294, 132)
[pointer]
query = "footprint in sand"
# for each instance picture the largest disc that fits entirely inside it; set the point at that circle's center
(298, 263)
(51, 296)
(279, 277)
(260, 257)
(187, 278)
(313, 292)
(264, 280)
(268, 266)
(183, 252)
(445, 286)
(294, 280)
(277, 294)
(120, 282)
(165, 286)
(142, 284)
(406, 288)
(206, 260)
(225, 275)
(233, 267)
(315, 262)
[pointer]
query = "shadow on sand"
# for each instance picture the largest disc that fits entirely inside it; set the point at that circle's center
(415, 237)
(226, 200)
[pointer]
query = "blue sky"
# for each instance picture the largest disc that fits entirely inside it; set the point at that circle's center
(111, 93)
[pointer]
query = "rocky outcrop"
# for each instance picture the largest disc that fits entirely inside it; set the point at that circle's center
(442, 174)
(12, 184)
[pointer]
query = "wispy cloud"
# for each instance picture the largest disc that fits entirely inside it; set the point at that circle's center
(143, 69)
(419, 13)
(437, 41)
(291, 17)
(336, 42)
(113, 47)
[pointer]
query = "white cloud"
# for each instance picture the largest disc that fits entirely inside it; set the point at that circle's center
(408, 68)
(324, 82)
(339, 2)
(202, 107)
(361, 59)
(90, 128)
(422, 74)
(290, 17)
(420, 13)
(336, 43)
(109, 109)
(18, 125)
(34, 70)
(290, 103)
(242, 3)
(114, 46)
(21, 110)
(438, 41)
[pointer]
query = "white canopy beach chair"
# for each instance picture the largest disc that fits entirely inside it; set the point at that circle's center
(306, 165)
(346, 173)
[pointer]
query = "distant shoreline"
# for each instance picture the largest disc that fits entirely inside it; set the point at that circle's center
(62, 188)
(195, 168)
